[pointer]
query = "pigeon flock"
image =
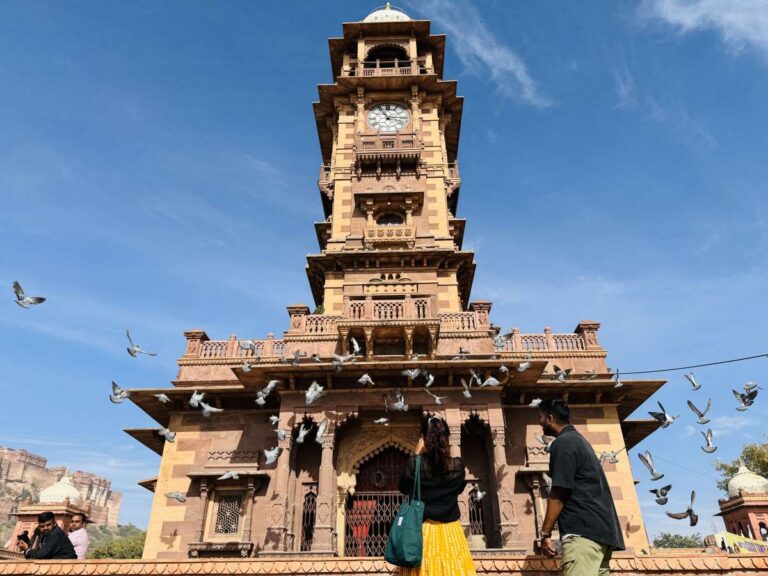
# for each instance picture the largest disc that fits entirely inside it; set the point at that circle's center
(396, 401)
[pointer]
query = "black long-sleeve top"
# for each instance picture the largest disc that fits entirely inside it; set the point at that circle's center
(54, 545)
(438, 492)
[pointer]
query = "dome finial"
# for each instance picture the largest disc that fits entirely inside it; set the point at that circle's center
(389, 6)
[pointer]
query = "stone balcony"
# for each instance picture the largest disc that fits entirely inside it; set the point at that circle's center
(388, 147)
(395, 236)
(377, 68)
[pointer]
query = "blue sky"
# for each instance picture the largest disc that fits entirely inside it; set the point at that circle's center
(158, 165)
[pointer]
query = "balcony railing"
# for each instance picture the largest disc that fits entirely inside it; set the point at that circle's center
(546, 342)
(394, 235)
(388, 146)
(458, 322)
(387, 68)
(404, 309)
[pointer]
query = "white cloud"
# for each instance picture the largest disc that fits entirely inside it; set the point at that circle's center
(481, 52)
(626, 91)
(725, 425)
(740, 23)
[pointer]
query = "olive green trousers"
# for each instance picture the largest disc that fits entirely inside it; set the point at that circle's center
(584, 557)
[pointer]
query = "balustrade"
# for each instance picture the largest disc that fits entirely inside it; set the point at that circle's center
(387, 68)
(458, 321)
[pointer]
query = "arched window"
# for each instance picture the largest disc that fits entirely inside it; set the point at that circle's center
(386, 55)
(389, 219)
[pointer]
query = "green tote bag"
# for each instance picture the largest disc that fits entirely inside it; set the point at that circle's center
(405, 543)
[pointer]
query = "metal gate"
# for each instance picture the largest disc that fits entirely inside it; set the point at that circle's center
(376, 500)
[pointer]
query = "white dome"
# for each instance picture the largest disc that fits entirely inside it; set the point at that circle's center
(60, 491)
(746, 481)
(387, 14)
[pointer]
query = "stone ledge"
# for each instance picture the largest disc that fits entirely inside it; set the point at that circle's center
(679, 564)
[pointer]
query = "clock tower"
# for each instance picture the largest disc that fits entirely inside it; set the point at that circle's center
(391, 244)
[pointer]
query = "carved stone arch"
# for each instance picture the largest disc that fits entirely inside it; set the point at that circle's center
(389, 444)
(383, 45)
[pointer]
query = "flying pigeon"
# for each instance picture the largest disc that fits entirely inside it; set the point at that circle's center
(663, 417)
(297, 356)
(270, 387)
(466, 392)
(710, 447)
(399, 403)
(270, 456)
(503, 369)
(135, 349)
(561, 374)
(303, 431)
(247, 345)
(366, 379)
(535, 403)
(500, 340)
(523, 366)
(167, 434)
(474, 377)
(430, 380)
(274, 420)
(647, 460)
(411, 374)
(313, 392)
(699, 413)
(384, 421)
(746, 399)
(229, 475)
(355, 346)
(25, 301)
(610, 456)
(490, 381)
(261, 400)
(321, 430)
(339, 361)
(118, 394)
(546, 441)
(316, 358)
(208, 409)
(661, 494)
(591, 375)
(281, 434)
(162, 398)
(178, 496)
(478, 494)
(689, 513)
(246, 367)
(194, 401)
(438, 399)
(692, 379)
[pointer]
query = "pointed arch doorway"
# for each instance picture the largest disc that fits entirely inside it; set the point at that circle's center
(376, 499)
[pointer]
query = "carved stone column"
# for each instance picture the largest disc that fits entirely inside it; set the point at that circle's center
(368, 343)
(203, 508)
(504, 480)
(249, 495)
(278, 517)
(455, 440)
(408, 334)
(326, 488)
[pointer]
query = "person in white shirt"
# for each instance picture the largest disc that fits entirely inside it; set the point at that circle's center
(78, 536)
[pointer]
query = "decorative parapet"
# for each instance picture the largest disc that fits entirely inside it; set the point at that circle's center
(584, 339)
(372, 68)
(377, 236)
(488, 562)
(378, 146)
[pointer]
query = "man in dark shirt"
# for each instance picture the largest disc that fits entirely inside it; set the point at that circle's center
(580, 499)
(53, 543)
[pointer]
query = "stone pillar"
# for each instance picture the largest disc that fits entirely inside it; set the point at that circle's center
(326, 488)
(368, 343)
(248, 516)
(195, 339)
(588, 329)
(408, 334)
(278, 514)
(550, 340)
(297, 313)
(203, 509)
(504, 486)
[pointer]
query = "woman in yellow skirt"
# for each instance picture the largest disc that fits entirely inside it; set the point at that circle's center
(443, 478)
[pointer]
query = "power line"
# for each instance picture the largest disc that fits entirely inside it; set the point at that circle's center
(697, 365)
(688, 469)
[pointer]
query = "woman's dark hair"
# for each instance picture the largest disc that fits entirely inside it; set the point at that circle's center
(438, 449)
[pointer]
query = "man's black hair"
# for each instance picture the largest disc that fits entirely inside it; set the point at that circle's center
(45, 517)
(558, 409)
(82, 515)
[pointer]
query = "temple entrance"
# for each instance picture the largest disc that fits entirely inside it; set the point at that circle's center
(370, 511)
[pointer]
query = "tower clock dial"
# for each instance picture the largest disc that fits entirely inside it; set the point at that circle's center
(387, 117)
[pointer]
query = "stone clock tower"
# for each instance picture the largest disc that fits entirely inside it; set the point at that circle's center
(389, 135)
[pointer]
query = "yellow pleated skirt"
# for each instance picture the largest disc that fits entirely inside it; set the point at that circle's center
(446, 552)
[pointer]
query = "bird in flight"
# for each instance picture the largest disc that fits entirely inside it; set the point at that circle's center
(25, 301)
(118, 394)
(689, 513)
(134, 349)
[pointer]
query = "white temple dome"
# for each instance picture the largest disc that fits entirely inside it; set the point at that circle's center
(746, 481)
(60, 491)
(387, 14)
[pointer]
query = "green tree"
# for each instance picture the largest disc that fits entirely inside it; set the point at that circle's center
(753, 456)
(668, 540)
(121, 548)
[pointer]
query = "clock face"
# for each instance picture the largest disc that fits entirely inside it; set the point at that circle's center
(387, 117)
